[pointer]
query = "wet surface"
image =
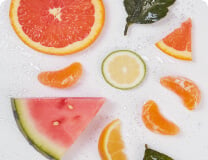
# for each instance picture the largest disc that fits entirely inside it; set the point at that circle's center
(20, 65)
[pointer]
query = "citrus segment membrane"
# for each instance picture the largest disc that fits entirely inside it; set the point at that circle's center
(62, 78)
(156, 122)
(184, 88)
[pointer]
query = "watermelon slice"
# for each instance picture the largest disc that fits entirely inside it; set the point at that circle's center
(51, 125)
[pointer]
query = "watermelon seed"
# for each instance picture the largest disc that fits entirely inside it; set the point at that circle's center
(55, 123)
(70, 107)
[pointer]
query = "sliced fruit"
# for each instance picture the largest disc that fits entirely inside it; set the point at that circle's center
(151, 154)
(51, 125)
(111, 145)
(63, 78)
(155, 121)
(123, 69)
(185, 88)
(178, 43)
(57, 27)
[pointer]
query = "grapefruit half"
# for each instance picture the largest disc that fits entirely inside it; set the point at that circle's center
(57, 27)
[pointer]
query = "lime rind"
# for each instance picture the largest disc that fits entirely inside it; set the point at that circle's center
(137, 82)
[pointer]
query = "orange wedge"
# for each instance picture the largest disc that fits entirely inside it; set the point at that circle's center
(185, 88)
(62, 78)
(111, 145)
(155, 121)
(178, 43)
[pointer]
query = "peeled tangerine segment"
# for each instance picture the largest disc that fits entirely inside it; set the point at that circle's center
(178, 44)
(63, 78)
(185, 88)
(155, 121)
(111, 145)
(52, 125)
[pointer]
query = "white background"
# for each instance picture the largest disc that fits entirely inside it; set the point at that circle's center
(20, 65)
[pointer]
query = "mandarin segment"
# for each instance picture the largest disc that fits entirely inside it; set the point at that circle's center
(156, 122)
(63, 78)
(111, 145)
(185, 88)
(178, 43)
(57, 27)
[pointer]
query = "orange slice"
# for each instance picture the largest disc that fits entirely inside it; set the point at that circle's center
(185, 88)
(57, 27)
(63, 78)
(111, 145)
(155, 121)
(178, 43)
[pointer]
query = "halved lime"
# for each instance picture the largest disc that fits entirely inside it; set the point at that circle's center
(123, 69)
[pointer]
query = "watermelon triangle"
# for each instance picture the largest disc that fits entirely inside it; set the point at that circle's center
(52, 125)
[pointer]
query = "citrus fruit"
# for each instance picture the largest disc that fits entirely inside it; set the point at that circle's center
(111, 145)
(62, 78)
(52, 125)
(156, 122)
(178, 43)
(185, 88)
(123, 69)
(57, 27)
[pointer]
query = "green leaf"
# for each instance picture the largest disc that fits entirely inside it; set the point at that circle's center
(145, 11)
(154, 155)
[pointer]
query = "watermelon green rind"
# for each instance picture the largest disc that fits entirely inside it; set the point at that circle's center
(33, 121)
(47, 152)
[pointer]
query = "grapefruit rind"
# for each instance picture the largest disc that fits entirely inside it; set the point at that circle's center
(114, 84)
(70, 49)
(182, 55)
(38, 141)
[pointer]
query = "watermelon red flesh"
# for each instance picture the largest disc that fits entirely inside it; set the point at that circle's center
(71, 121)
(58, 120)
(77, 18)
